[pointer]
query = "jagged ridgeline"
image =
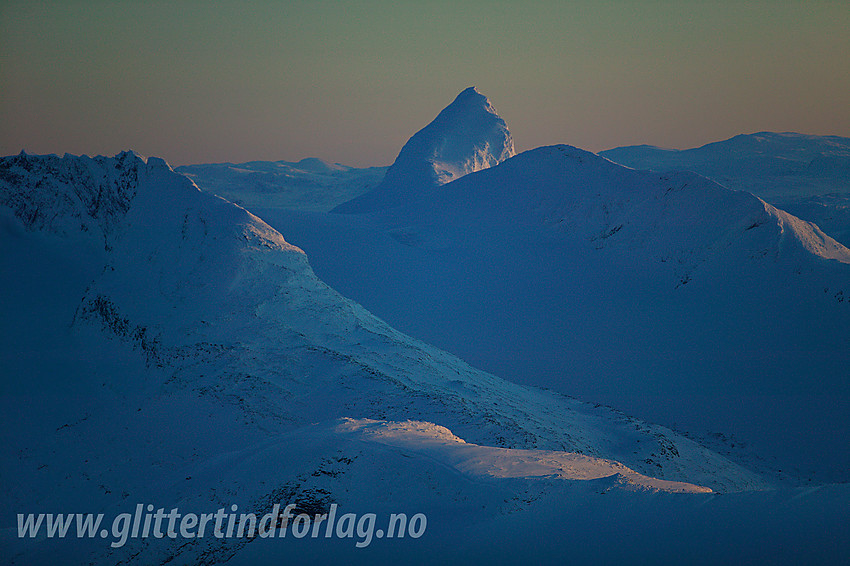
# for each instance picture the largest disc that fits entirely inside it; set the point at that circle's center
(189, 277)
(166, 346)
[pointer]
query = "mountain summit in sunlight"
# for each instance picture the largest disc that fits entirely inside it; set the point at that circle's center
(467, 136)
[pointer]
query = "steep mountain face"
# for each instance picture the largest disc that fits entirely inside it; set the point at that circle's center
(467, 136)
(808, 176)
(668, 294)
(68, 196)
(181, 351)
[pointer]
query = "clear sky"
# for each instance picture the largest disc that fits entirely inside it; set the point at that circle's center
(351, 81)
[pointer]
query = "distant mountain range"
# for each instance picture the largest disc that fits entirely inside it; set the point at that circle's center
(309, 184)
(664, 294)
(809, 176)
(164, 346)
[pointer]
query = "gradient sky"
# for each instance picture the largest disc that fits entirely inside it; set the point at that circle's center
(199, 82)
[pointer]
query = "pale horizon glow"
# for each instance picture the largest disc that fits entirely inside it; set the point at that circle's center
(350, 82)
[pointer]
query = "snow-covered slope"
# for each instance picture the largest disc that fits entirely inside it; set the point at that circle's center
(199, 274)
(440, 444)
(167, 346)
(666, 294)
(467, 136)
(806, 175)
(309, 184)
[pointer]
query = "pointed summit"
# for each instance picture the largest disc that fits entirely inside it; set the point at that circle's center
(467, 136)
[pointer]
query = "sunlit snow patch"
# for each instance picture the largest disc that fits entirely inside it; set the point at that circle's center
(440, 444)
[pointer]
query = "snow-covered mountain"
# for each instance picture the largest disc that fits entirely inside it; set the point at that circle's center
(467, 136)
(763, 154)
(668, 295)
(309, 184)
(806, 175)
(163, 345)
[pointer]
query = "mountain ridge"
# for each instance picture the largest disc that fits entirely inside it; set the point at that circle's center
(806, 175)
(196, 361)
(202, 291)
(579, 257)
